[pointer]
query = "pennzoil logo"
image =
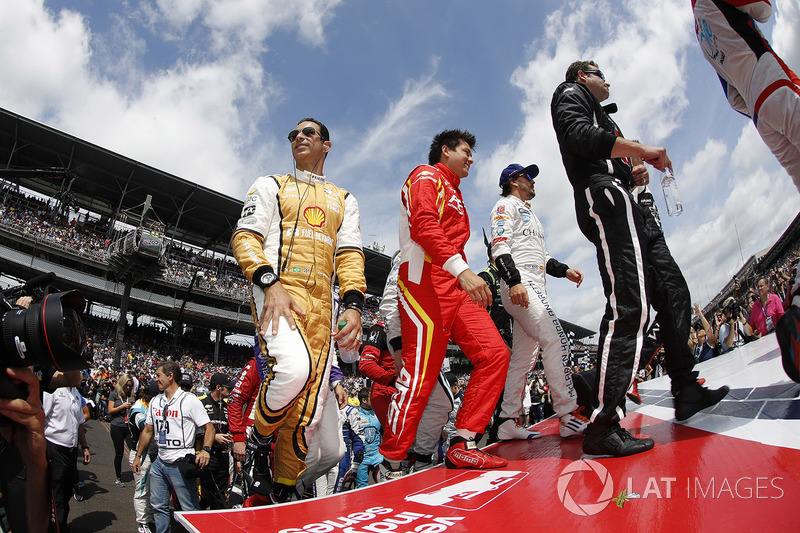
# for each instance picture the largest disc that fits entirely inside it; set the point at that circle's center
(315, 216)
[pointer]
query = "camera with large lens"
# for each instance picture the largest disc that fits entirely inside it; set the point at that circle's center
(732, 308)
(49, 333)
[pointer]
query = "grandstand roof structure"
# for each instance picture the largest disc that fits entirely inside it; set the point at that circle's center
(52, 163)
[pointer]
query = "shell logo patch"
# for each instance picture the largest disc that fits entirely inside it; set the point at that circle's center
(315, 216)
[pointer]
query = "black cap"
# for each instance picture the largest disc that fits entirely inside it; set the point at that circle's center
(152, 388)
(220, 379)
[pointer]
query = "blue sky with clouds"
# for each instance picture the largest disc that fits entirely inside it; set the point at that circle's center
(208, 89)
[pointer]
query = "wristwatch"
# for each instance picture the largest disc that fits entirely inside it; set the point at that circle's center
(267, 280)
(207, 449)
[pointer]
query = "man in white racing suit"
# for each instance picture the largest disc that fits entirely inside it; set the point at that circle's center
(518, 250)
(756, 81)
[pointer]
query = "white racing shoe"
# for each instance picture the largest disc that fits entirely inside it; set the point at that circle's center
(510, 430)
(573, 425)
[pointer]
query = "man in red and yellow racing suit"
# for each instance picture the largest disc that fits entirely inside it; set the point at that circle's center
(295, 232)
(440, 299)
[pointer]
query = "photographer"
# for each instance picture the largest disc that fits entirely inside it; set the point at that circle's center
(34, 424)
(23, 431)
(174, 417)
(733, 329)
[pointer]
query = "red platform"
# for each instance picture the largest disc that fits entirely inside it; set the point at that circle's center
(735, 468)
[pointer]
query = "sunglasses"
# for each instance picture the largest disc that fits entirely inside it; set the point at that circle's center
(596, 72)
(308, 131)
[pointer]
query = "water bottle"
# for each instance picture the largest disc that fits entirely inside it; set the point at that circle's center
(671, 196)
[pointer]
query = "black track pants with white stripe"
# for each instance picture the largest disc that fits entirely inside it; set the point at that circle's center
(669, 296)
(636, 269)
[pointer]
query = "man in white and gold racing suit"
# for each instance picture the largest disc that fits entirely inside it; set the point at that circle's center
(295, 232)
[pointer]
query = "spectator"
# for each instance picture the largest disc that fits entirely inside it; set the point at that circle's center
(371, 435)
(537, 393)
(119, 402)
(458, 398)
(353, 437)
(766, 310)
(705, 340)
(703, 349)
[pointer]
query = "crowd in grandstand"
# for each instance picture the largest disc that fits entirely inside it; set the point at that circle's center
(29, 217)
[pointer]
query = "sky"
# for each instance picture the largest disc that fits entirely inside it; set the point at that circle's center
(208, 89)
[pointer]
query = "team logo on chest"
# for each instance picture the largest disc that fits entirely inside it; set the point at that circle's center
(315, 216)
(456, 203)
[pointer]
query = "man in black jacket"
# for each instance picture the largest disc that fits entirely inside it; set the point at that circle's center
(635, 264)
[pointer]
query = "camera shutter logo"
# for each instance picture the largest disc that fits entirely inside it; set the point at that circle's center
(585, 509)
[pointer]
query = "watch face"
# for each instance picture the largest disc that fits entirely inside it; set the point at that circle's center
(268, 279)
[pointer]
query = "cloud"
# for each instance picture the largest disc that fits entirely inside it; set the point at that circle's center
(45, 57)
(402, 122)
(785, 37)
(231, 24)
(375, 161)
(195, 114)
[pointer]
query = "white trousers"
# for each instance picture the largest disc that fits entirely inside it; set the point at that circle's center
(537, 328)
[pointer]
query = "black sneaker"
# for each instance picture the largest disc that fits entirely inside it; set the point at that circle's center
(616, 442)
(77, 492)
(693, 398)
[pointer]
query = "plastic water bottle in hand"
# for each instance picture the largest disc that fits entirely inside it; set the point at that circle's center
(671, 196)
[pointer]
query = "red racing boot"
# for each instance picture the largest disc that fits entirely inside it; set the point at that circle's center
(464, 453)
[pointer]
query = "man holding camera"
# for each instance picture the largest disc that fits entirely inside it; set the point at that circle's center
(174, 417)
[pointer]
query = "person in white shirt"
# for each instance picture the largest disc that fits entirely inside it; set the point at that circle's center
(63, 429)
(173, 417)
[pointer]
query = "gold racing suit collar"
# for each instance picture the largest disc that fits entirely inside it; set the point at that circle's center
(309, 177)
